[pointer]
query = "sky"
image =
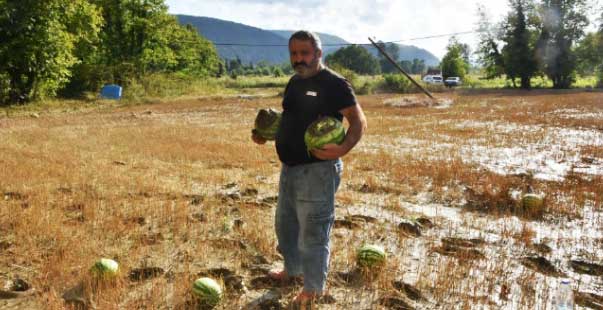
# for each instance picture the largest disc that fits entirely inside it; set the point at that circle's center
(355, 21)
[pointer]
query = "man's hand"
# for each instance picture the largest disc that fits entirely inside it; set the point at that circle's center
(329, 151)
(256, 138)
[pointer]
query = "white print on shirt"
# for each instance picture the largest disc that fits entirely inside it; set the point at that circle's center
(311, 93)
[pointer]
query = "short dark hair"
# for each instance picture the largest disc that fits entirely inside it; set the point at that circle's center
(305, 35)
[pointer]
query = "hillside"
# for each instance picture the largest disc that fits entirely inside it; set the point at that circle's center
(327, 39)
(226, 32)
(221, 31)
(410, 52)
(407, 52)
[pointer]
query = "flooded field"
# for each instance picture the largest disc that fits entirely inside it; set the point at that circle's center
(175, 191)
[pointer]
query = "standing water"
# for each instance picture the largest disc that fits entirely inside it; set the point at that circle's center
(564, 299)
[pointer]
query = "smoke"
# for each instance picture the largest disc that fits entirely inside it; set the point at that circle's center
(548, 51)
(551, 19)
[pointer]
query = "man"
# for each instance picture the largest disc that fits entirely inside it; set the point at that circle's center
(308, 181)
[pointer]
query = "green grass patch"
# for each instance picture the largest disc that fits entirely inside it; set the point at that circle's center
(476, 81)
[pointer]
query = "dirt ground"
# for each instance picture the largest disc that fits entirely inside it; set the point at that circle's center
(177, 190)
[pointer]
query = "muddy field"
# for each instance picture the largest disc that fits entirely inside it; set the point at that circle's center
(177, 190)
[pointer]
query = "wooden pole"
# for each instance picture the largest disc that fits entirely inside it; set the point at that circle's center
(401, 70)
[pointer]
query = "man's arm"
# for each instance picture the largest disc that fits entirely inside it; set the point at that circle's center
(357, 120)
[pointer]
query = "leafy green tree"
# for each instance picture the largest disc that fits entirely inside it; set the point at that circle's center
(277, 72)
(563, 23)
(418, 66)
(142, 34)
(454, 63)
(234, 64)
(40, 40)
(355, 58)
(600, 80)
(488, 52)
(406, 65)
(520, 36)
(393, 50)
(589, 53)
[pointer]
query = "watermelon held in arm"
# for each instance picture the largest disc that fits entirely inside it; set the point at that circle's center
(323, 131)
(267, 123)
(208, 291)
(371, 256)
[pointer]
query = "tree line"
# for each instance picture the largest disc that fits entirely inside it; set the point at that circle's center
(540, 38)
(536, 38)
(67, 47)
(358, 59)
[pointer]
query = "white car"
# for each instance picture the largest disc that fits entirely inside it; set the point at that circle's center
(453, 81)
(433, 79)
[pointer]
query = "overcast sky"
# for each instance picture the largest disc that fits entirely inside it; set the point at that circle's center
(356, 20)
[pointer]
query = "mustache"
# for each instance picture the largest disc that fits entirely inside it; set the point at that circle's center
(301, 63)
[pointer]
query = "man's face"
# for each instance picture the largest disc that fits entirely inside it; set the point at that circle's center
(305, 60)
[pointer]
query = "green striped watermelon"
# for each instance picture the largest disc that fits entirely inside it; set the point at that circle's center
(105, 267)
(371, 256)
(324, 131)
(208, 291)
(532, 202)
(267, 122)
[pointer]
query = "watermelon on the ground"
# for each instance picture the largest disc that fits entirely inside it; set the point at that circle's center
(207, 290)
(371, 256)
(532, 202)
(105, 267)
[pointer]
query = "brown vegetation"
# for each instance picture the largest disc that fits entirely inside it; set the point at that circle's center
(180, 188)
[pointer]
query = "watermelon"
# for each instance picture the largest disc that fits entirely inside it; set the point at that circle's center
(371, 256)
(266, 123)
(105, 267)
(325, 130)
(532, 202)
(208, 291)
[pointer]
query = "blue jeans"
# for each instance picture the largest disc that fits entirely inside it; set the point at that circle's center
(304, 217)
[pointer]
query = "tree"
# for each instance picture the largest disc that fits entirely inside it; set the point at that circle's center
(519, 52)
(600, 79)
(488, 52)
(418, 66)
(39, 44)
(563, 23)
(355, 58)
(393, 50)
(454, 63)
(589, 53)
(406, 65)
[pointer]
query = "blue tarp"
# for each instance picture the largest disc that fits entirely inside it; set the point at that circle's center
(111, 91)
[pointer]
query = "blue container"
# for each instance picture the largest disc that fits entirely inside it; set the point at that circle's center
(111, 91)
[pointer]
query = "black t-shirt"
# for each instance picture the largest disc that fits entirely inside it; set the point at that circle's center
(305, 100)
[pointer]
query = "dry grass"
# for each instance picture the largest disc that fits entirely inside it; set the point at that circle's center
(180, 186)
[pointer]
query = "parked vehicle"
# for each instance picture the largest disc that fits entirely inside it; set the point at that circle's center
(452, 81)
(433, 79)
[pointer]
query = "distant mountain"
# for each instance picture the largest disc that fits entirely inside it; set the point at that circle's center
(325, 38)
(407, 52)
(410, 52)
(226, 32)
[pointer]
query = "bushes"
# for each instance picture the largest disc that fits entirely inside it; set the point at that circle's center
(396, 83)
(4, 87)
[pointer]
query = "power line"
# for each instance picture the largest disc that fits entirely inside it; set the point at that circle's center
(348, 44)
